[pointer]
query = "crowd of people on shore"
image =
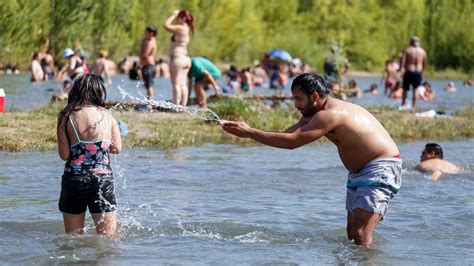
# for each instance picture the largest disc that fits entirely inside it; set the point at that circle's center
(199, 73)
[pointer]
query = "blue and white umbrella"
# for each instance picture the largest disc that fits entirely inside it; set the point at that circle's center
(279, 54)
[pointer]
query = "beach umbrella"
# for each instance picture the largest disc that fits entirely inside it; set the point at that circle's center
(281, 55)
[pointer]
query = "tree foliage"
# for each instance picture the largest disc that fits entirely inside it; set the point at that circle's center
(240, 31)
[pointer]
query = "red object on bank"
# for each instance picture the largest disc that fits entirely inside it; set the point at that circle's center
(2, 101)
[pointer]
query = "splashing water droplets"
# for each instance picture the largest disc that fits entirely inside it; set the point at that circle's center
(167, 106)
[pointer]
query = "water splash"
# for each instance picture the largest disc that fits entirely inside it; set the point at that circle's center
(149, 105)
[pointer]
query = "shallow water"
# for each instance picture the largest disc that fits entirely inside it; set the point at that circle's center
(225, 204)
(23, 95)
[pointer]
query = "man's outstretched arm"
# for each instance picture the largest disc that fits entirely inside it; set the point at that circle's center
(289, 139)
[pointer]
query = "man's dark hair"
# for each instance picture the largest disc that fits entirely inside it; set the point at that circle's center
(434, 147)
(309, 83)
(151, 29)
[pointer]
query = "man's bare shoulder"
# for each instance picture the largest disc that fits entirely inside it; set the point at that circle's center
(338, 107)
(423, 50)
(425, 166)
(437, 164)
(332, 112)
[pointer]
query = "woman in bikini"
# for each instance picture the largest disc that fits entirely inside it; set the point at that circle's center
(180, 61)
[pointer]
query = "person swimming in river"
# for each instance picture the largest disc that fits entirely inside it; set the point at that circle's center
(87, 133)
(432, 162)
(365, 148)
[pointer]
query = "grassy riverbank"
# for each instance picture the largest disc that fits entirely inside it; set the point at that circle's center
(35, 129)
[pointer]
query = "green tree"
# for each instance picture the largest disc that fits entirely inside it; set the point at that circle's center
(240, 31)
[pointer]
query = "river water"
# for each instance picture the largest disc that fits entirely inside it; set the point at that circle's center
(226, 204)
(23, 95)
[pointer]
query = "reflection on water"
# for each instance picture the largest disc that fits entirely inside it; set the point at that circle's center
(248, 205)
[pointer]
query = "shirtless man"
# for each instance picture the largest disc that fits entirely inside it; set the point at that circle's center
(102, 68)
(413, 62)
(431, 161)
(365, 148)
(390, 75)
(147, 59)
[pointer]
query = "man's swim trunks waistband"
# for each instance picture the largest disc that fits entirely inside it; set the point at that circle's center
(380, 172)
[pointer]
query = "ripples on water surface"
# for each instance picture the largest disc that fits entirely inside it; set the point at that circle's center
(223, 204)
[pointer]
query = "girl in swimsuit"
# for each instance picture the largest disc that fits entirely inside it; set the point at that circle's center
(87, 133)
(180, 61)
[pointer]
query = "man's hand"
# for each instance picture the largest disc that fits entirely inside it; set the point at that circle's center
(240, 129)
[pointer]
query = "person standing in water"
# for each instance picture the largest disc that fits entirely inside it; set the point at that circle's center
(37, 73)
(47, 63)
(180, 61)
(390, 75)
(364, 146)
(102, 68)
(74, 68)
(147, 60)
(413, 62)
(87, 133)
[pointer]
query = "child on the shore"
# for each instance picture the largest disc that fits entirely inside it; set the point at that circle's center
(87, 133)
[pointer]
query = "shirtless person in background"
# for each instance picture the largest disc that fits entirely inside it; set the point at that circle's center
(413, 62)
(391, 75)
(37, 73)
(431, 161)
(147, 59)
(364, 146)
(102, 68)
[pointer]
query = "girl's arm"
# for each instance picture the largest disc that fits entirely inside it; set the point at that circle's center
(63, 142)
(116, 146)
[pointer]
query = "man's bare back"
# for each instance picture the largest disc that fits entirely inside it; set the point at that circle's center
(392, 71)
(359, 137)
(414, 59)
(100, 67)
(437, 164)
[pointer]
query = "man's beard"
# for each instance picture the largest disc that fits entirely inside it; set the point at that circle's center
(308, 111)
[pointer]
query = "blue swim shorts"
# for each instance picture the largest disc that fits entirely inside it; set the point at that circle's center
(374, 186)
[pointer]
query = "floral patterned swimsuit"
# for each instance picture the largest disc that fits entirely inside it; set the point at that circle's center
(88, 157)
(87, 181)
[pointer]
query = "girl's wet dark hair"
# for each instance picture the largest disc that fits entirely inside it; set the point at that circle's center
(88, 89)
(309, 83)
